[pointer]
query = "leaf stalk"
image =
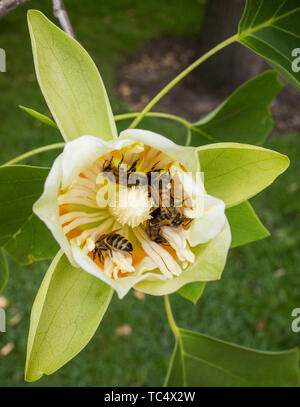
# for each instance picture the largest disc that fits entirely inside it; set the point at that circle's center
(170, 316)
(182, 75)
(35, 151)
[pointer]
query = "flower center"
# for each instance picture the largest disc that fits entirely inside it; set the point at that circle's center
(129, 198)
(131, 206)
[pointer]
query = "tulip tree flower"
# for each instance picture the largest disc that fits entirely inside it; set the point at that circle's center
(82, 204)
(74, 209)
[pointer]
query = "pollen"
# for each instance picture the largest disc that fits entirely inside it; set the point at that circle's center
(131, 206)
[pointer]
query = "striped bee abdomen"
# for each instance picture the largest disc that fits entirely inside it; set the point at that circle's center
(118, 242)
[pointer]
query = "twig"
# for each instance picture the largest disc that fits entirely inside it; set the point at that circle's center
(59, 11)
(6, 6)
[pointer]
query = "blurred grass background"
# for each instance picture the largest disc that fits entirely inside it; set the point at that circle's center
(252, 303)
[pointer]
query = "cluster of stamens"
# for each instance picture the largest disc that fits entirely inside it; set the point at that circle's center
(124, 208)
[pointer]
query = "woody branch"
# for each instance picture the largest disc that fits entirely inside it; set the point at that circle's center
(7, 6)
(59, 11)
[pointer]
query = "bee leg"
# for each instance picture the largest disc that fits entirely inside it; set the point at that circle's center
(186, 222)
(133, 166)
(121, 161)
(161, 240)
(108, 166)
(100, 257)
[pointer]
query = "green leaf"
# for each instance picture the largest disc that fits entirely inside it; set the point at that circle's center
(68, 308)
(39, 116)
(245, 228)
(203, 361)
(32, 242)
(235, 172)
(70, 82)
(3, 269)
(245, 225)
(271, 29)
(192, 291)
(244, 116)
(24, 236)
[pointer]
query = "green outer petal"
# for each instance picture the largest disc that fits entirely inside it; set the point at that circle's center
(245, 225)
(65, 315)
(70, 82)
(192, 291)
(235, 172)
(208, 266)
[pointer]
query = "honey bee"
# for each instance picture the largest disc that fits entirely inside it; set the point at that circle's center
(159, 188)
(153, 231)
(118, 174)
(111, 241)
(165, 216)
(169, 206)
(171, 216)
(164, 192)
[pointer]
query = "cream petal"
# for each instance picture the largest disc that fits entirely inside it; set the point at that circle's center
(146, 264)
(165, 262)
(186, 155)
(76, 156)
(208, 212)
(209, 224)
(46, 208)
(177, 240)
(209, 263)
(192, 183)
(121, 285)
(123, 261)
(82, 152)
